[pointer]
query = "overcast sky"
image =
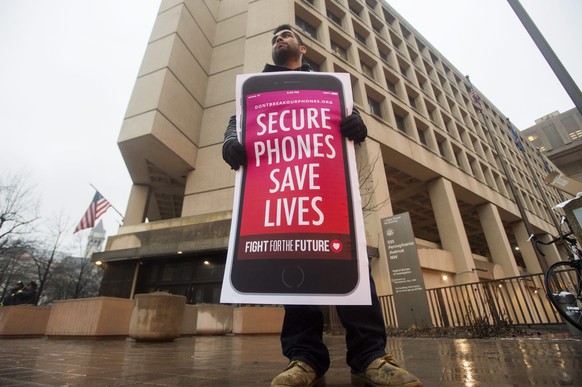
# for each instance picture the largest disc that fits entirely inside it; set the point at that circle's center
(68, 68)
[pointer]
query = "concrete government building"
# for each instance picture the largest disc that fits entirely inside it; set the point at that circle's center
(429, 150)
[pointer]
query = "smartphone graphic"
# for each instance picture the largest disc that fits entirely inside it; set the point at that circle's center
(295, 219)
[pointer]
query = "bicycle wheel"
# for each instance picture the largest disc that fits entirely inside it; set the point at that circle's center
(562, 281)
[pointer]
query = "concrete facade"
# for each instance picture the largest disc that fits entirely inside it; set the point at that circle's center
(429, 151)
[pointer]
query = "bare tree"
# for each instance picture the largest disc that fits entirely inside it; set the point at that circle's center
(12, 267)
(47, 254)
(18, 209)
(368, 184)
(18, 216)
(73, 277)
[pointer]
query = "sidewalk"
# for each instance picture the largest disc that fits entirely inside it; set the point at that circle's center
(548, 360)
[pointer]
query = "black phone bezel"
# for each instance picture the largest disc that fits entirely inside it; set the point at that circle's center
(320, 276)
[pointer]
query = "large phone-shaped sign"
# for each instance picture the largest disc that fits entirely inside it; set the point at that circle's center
(297, 234)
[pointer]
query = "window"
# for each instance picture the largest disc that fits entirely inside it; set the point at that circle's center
(412, 101)
(396, 41)
(339, 50)
(391, 86)
(433, 115)
(374, 107)
(334, 18)
(400, 124)
(405, 33)
(377, 27)
(367, 70)
(403, 68)
(355, 7)
(458, 159)
(360, 38)
(306, 27)
(198, 278)
(432, 112)
(312, 2)
(532, 137)
(314, 65)
(388, 17)
(441, 148)
(422, 137)
(383, 51)
(575, 134)
(449, 125)
(383, 56)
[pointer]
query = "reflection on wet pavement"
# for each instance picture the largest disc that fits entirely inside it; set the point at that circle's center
(549, 360)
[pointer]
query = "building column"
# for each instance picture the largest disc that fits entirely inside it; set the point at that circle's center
(137, 205)
(376, 205)
(451, 229)
(526, 248)
(497, 241)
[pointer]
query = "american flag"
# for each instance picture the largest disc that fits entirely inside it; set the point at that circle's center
(97, 208)
(475, 98)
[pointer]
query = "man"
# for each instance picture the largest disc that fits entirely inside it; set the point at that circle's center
(302, 332)
(28, 294)
(11, 296)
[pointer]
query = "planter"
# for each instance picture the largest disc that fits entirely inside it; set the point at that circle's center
(157, 317)
(91, 317)
(254, 320)
(23, 320)
(190, 320)
(214, 319)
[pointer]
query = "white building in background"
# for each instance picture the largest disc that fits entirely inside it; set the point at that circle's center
(95, 240)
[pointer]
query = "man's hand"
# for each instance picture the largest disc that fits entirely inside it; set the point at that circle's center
(234, 153)
(353, 127)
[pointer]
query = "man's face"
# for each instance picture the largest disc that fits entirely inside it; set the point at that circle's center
(285, 47)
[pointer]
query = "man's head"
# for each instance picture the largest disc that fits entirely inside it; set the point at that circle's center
(287, 47)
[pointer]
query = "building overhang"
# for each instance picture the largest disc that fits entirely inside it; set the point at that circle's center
(166, 242)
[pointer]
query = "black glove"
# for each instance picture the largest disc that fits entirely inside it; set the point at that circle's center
(353, 127)
(234, 153)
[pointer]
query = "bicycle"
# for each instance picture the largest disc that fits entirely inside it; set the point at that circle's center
(563, 280)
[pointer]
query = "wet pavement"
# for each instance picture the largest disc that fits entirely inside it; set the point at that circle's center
(545, 360)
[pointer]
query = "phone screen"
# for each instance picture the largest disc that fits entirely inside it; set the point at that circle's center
(295, 223)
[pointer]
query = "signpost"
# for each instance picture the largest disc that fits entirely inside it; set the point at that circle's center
(408, 288)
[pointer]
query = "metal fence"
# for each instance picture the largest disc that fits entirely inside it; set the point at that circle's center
(513, 301)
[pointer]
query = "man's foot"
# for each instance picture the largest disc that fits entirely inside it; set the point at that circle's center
(384, 372)
(298, 374)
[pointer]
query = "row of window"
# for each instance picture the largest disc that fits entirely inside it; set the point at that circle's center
(432, 106)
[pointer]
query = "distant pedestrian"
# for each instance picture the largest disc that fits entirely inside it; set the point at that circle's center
(9, 299)
(27, 295)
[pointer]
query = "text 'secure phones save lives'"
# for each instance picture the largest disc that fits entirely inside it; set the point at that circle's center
(295, 219)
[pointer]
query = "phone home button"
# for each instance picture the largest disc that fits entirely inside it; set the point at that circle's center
(293, 276)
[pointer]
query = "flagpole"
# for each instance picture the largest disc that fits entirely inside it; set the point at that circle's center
(503, 162)
(536, 180)
(115, 209)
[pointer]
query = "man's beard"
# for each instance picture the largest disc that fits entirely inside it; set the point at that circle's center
(282, 55)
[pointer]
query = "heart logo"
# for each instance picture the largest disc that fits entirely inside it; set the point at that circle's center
(336, 246)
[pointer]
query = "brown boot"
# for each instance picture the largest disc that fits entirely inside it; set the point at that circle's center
(298, 374)
(384, 372)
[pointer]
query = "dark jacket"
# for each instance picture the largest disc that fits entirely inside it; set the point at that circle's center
(230, 133)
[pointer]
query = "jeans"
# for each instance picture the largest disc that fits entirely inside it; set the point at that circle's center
(302, 334)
